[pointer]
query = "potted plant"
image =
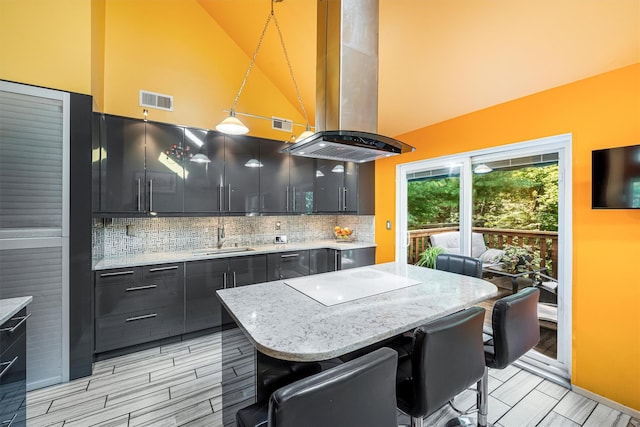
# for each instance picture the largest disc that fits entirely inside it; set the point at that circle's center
(520, 259)
(428, 256)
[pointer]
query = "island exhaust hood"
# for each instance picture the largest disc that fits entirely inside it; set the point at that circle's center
(347, 86)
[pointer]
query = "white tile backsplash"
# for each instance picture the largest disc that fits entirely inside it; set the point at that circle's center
(130, 236)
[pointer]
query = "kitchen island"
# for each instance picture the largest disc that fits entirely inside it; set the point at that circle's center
(320, 317)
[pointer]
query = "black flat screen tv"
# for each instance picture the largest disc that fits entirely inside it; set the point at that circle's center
(616, 178)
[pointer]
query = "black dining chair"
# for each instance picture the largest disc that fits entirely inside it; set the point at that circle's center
(459, 264)
(514, 331)
(357, 393)
(446, 359)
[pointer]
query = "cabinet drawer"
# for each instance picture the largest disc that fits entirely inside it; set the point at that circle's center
(163, 271)
(11, 330)
(138, 327)
(287, 265)
(119, 275)
(134, 296)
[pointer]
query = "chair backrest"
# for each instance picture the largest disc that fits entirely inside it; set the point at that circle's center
(515, 328)
(447, 358)
(360, 392)
(459, 264)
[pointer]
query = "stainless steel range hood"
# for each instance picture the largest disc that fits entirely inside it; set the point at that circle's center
(347, 86)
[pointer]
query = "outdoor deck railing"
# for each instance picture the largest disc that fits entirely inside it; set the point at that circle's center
(544, 242)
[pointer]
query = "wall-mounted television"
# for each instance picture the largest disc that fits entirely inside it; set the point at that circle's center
(616, 178)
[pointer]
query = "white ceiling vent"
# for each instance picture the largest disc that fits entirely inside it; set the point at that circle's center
(156, 100)
(281, 124)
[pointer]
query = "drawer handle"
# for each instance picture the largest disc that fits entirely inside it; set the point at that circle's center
(7, 366)
(290, 256)
(117, 273)
(13, 329)
(141, 288)
(9, 422)
(146, 316)
(173, 267)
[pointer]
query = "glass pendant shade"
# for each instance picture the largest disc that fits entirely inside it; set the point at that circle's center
(304, 135)
(200, 158)
(232, 126)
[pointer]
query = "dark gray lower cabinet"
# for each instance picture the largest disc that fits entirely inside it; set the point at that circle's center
(204, 278)
(287, 265)
(352, 258)
(13, 370)
(138, 304)
(322, 260)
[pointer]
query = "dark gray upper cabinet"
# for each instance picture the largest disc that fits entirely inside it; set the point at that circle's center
(301, 181)
(202, 180)
(240, 189)
(275, 195)
(164, 167)
(122, 155)
(336, 186)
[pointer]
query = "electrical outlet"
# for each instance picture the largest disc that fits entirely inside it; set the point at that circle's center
(277, 225)
(281, 239)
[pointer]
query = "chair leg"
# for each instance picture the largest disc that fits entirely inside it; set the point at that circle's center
(417, 422)
(483, 398)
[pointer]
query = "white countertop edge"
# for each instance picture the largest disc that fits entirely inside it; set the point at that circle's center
(183, 256)
(10, 306)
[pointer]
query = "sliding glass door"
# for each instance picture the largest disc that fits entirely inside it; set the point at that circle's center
(497, 204)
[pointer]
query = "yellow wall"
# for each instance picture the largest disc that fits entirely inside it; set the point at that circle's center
(46, 43)
(97, 53)
(179, 50)
(602, 111)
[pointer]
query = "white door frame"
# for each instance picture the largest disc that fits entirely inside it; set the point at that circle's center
(558, 370)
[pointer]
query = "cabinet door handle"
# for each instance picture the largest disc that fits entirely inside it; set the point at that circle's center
(289, 256)
(220, 202)
(9, 423)
(224, 280)
(229, 197)
(293, 197)
(146, 316)
(286, 193)
(12, 329)
(344, 198)
(141, 288)
(139, 200)
(117, 273)
(234, 279)
(339, 198)
(151, 195)
(7, 366)
(172, 267)
(335, 259)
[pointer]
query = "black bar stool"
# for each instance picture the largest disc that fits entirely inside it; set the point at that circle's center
(358, 393)
(460, 264)
(447, 358)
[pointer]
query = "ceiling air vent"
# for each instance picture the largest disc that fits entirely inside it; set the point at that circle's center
(281, 124)
(156, 100)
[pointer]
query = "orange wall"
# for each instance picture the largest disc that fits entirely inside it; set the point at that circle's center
(602, 111)
(179, 50)
(46, 43)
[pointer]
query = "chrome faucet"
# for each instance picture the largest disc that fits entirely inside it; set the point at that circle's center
(220, 241)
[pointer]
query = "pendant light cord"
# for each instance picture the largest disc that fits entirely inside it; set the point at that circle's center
(286, 56)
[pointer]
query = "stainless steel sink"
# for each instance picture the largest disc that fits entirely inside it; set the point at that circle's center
(216, 251)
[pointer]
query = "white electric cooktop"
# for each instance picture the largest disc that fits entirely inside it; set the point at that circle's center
(348, 285)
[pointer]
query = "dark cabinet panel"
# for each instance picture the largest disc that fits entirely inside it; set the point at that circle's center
(350, 191)
(202, 306)
(241, 192)
(247, 270)
(286, 265)
(275, 192)
(13, 364)
(122, 154)
(329, 185)
(322, 261)
(202, 180)
(352, 258)
(164, 166)
(301, 181)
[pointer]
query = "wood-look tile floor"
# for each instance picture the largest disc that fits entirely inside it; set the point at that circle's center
(179, 385)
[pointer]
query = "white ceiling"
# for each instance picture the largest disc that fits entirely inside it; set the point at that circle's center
(440, 59)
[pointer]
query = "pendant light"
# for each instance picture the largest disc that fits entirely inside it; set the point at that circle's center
(232, 125)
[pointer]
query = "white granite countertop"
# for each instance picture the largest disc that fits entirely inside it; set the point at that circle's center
(284, 323)
(196, 253)
(10, 306)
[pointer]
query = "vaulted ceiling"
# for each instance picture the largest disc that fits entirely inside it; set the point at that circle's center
(440, 59)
